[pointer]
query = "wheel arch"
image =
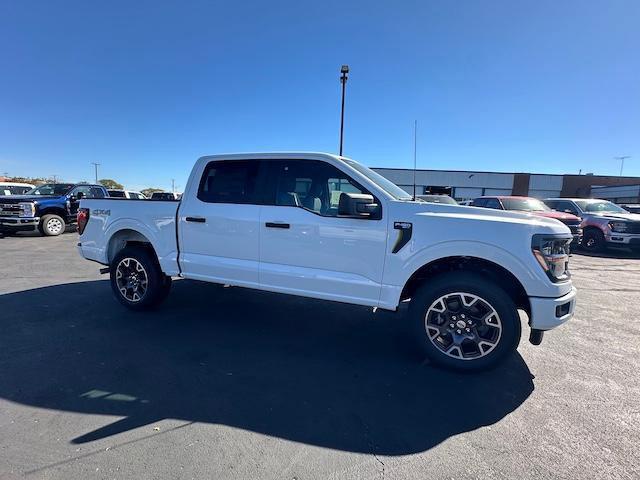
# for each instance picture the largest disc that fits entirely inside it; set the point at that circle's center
(162, 239)
(593, 228)
(127, 237)
(61, 212)
(487, 268)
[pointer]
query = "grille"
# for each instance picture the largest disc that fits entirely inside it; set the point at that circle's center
(633, 227)
(574, 227)
(9, 210)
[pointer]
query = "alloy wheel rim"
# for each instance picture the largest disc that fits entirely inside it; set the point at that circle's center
(463, 326)
(54, 225)
(131, 279)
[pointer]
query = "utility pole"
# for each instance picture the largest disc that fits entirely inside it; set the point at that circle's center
(622, 159)
(96, 168)
(415, 156)
(173, 185)
(343, 80)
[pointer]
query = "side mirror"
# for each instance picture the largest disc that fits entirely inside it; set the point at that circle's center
(357, 205)
(79, 196)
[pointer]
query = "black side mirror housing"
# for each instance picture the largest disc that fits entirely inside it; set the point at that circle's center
(358, 205)
(79, 196)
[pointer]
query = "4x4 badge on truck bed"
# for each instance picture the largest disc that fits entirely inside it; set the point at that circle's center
(97, 211)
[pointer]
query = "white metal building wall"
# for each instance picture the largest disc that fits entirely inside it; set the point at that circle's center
(621, 193)
(466, 184)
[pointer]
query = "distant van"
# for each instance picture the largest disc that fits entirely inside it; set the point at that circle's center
(14, 188)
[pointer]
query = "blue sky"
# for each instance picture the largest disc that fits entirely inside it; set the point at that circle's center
(145, 89)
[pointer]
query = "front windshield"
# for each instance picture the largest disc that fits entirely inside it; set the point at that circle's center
(51, 189)
(386, 185)
(599, 206)
(524, 205)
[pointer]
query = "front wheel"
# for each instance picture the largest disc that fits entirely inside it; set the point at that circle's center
(464, 321)
(51, 225)
(137, 280)
(593, 240)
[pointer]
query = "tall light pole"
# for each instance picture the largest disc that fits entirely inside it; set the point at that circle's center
(344, 70)
(622, 159)
(173, 185)
(96, 168)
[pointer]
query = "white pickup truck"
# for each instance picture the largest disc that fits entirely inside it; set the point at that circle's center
(323, 226)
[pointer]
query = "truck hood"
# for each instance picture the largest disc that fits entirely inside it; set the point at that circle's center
(29, 198)
(531, 223)
(633, 217)
(562, 216)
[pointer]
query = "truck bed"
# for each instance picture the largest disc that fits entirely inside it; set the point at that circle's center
(154, 220)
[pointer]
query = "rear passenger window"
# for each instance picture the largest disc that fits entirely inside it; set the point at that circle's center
(229, 182)
(96, 192)
(493, 203)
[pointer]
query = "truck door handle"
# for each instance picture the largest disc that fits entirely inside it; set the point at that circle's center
(196, 219)
(277, 225)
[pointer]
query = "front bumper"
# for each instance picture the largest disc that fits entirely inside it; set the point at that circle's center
(17, 224)
(624, 239)
(548, 313)
(577, 237)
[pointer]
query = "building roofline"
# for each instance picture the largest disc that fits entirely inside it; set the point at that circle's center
(506, 173)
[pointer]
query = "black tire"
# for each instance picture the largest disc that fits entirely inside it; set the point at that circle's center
(593, 240)
(501, 328)
(136, 270)
(51, 225)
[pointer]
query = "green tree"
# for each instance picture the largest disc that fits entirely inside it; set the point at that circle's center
(109, 183)
(147, 192)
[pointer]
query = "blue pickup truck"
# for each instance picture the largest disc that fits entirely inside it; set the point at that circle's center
(48, 208)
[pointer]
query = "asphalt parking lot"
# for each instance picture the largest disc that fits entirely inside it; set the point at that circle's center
(230, 383)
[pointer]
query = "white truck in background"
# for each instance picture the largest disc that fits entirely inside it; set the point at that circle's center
(323, 226)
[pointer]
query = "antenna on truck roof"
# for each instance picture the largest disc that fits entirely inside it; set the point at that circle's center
(415, 155)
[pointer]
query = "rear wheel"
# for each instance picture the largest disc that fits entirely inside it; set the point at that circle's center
(464, 321)
(593, 240)
(137, 280)
(51, 225)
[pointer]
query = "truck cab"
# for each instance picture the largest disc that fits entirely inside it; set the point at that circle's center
(323, 226)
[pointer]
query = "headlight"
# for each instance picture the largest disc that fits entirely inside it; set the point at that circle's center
(27, 209)
(552, 253)
(619, 227)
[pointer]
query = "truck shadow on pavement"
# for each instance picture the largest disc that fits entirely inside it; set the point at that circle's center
(322, 373)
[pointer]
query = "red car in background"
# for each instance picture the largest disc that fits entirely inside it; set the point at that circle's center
(534, 207)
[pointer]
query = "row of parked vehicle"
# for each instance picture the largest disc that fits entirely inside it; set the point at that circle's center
(595, 224)
(49, 208)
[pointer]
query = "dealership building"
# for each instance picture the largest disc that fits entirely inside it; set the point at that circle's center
(464, 185)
